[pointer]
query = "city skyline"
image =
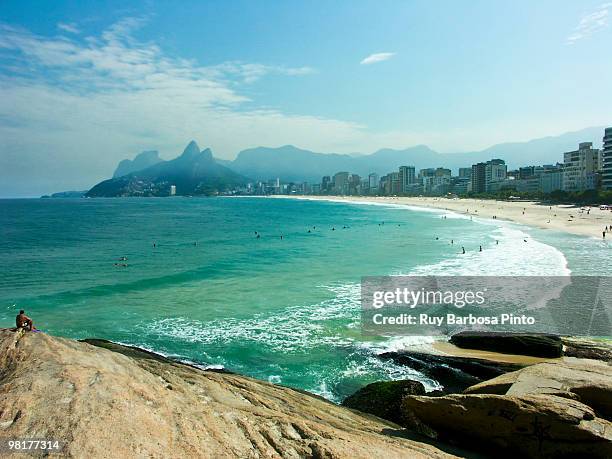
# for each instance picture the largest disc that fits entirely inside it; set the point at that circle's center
(585, 169)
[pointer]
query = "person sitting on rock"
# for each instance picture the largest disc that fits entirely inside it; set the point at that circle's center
(24, 322)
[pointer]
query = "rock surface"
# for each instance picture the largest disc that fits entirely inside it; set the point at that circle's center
(587, 349)
(535, 426)
(384, 398)
(455, 374)
(108, 405)
(537, 345)
(560, 408)
(588, 381)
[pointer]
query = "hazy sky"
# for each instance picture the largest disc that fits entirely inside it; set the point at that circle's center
(84, 84)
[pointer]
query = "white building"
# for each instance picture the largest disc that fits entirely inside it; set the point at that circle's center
(580, 168)
(172, 190)
(551, 180)
(495, 171)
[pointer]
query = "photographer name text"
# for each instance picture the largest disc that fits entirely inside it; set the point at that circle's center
(451, 319)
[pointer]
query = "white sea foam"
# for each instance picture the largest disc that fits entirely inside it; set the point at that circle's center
(295, 328)
(510, 256)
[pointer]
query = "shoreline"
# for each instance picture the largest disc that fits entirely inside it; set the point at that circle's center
(563, 218)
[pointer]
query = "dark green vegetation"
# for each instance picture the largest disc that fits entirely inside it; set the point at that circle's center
(384, 398)
(194, 172)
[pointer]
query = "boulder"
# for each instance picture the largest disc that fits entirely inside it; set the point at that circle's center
(455, 374)
(588, 381)
(536, 345)
(383, 399)
(587, 349)
(535, 426)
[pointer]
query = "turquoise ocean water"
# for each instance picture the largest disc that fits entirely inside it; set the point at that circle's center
(210, 292)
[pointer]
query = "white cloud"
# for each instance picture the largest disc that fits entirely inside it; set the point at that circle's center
(376, 57)
(68, 27)
(72, 107)
(590, 24)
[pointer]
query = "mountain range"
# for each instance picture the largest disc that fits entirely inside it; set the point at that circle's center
(140, 162)
(293, 164)
(197, 172)
(194, 172)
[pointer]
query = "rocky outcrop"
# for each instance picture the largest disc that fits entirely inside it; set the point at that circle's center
(384, 398)
(588, 381)
(560, 408)
(537, 345)
(455, 374)
(535, 426)
(194, 172)
(587, 349)
(104, 404)
(141, 161)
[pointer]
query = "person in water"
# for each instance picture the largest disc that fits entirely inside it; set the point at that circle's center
(24, 322)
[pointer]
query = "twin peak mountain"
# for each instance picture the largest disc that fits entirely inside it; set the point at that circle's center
(194, 172)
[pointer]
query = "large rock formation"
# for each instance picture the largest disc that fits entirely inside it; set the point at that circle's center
(455, 374)
(194, 172)
(552, 409)
(588, 381)
(140, 162)
(535, 426)
(537, 345)
(384, 398)
(106, 404)
(587, 349)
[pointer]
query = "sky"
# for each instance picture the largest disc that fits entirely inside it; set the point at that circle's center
(84, 84)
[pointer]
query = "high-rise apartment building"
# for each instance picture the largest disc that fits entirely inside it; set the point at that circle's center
(407, 178)
(580, 168)
(606, 153)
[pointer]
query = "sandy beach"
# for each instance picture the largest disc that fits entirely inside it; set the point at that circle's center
(567, 218)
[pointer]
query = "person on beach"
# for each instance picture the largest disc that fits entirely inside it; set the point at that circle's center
(463, 250)
(480, 249)
(24, 322)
